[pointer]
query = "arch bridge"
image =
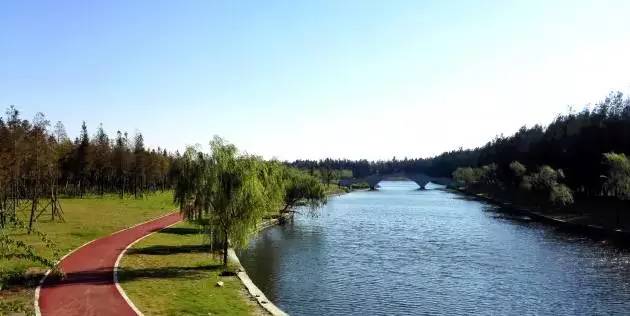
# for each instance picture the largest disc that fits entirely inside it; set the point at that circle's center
(419, 178)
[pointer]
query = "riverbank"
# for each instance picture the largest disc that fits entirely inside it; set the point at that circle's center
(575, 219)
(253, 290)
(175, 271)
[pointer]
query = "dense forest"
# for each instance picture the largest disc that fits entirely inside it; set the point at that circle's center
(573, 144)
(40, 163)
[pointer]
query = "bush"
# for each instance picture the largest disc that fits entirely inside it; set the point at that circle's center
(561, 195)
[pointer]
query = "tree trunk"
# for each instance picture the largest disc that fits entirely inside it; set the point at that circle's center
(80, 189)
(225, 249)
(2, 212)
(618, 219)
(122, 188)
(32, 217)
(53, 202)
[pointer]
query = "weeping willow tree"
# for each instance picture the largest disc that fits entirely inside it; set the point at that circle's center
(227, 191)
(301, 189)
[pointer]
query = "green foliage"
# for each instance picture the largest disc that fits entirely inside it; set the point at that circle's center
(468, 176)
(518, 169)
(302, 188)
(191, 184)
(465, 176)
(34, 160)
(14, 307)
(573, 142)
(360, 186)
(618, 177)
(13, 249)
(546, 181)
(561, 195)
(488, 174)
(229, 190)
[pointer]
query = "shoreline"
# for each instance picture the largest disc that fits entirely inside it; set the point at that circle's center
(247, 282)
(251, 287)
(588, 229)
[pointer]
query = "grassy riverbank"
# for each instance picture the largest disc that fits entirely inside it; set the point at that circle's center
(601, 212)
(333, 189)
(173, 272)
(86, 219)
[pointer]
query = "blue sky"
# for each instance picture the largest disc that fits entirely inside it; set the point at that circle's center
(312, 79)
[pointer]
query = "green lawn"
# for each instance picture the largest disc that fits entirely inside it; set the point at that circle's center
(86, 219)
(333, 189)
(173, 273)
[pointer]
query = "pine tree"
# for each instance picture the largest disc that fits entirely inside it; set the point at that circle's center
(139, 166)
(83, 160)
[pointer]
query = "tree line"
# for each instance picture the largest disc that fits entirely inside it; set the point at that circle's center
(574, 145)
(40, 163)
(224, 190)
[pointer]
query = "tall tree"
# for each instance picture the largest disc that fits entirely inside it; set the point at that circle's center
(101, 159)
(229, 187)
(618, 175)
(617, 178)
(38, 164)
(82, 162)
(139, 167)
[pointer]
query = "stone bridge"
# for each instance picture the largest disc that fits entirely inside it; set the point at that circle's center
(419, 178)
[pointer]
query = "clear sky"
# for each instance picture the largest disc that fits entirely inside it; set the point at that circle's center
(312, 79)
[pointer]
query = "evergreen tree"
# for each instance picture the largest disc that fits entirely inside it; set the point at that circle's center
(139, 165)
(82, 162)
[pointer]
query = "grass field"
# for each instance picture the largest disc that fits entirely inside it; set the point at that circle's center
(173, 273)
(86, 219)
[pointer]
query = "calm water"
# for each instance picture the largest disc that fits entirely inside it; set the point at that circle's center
(400, 251)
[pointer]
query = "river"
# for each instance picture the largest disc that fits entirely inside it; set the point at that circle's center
(403, 251)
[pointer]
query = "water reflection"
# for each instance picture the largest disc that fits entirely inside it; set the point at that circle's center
(403, 251)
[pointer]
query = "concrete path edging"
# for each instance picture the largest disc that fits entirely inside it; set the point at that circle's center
(253, 290)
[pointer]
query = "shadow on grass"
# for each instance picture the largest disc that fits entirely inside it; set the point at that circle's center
(128, 274)
(168, 250)
(181, 231)
(105, 276)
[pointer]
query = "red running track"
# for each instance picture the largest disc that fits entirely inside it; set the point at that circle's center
(89, 288)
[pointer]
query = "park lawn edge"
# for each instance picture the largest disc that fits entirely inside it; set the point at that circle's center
(21, 297)
(194, 285)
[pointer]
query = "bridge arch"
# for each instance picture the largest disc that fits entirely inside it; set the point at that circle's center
(372, 180)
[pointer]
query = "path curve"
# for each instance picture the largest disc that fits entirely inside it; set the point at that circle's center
(89, 287)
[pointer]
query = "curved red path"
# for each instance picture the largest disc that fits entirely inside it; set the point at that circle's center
(89, 288)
